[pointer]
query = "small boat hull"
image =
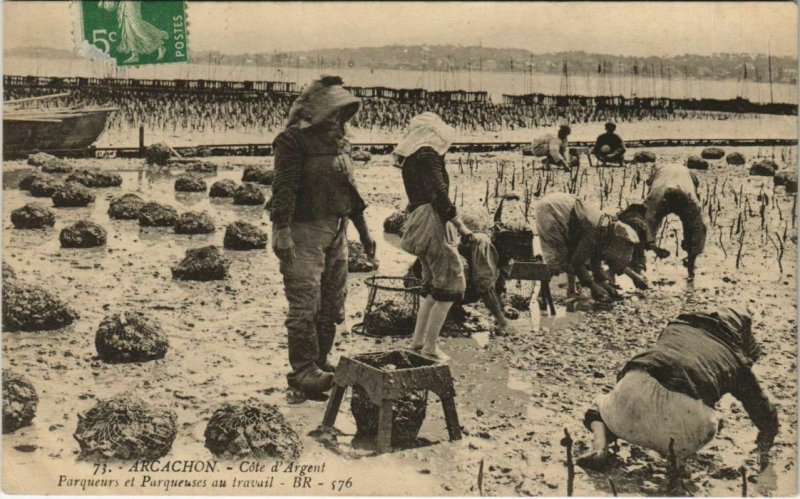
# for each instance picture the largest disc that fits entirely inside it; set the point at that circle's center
(74, 132)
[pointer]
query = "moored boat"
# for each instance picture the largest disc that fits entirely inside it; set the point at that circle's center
(55, 130)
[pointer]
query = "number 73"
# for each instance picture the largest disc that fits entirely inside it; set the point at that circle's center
(102, 37)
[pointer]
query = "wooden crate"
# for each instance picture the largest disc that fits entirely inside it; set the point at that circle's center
(530, 271)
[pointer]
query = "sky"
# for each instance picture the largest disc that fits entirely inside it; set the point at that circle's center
(617, 28)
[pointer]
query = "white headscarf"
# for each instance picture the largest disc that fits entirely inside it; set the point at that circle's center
(426, 130)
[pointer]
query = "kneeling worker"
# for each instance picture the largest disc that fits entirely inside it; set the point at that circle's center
(670, 391)
(609, 147)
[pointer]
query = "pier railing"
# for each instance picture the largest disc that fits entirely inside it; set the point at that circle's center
(738, 105)
(167, 85)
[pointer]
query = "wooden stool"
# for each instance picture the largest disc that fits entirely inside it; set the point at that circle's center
(384, 387)
(535, 271)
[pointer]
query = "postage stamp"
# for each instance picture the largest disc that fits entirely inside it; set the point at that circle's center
(136, 32)
(167, 331)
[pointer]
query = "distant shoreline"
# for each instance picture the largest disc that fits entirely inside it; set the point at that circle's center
(450, 58)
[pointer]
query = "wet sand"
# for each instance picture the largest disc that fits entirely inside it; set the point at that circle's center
(515, 395)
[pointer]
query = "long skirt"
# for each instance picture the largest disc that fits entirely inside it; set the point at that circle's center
(552, 214)
(436, 245)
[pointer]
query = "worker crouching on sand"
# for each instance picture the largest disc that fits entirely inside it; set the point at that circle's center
(609, 147)
(433, 225)
(573, 235)
(313, 197)
(670, 391)
(485, 278)
(673, 189)
(553, 149)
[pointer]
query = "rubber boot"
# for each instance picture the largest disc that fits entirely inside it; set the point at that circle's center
(326, 333)
(311, 379)
(572, 290)
(423, 316)
(325, 366)
(436, 320)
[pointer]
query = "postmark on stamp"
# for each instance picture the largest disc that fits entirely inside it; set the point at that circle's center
(135, 32)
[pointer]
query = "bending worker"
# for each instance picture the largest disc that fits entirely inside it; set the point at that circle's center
(670, 391)
(485, 278)
(574, 235)
(314, 195)
(553, 149)
(673, 189)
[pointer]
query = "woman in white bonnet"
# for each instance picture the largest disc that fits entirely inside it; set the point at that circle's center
(433, 226)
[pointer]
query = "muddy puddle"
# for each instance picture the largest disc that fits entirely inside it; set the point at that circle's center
(515, 394)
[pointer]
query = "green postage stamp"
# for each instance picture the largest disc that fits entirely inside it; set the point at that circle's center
(136, 32)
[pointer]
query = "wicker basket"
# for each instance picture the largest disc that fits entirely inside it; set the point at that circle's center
(392, 306)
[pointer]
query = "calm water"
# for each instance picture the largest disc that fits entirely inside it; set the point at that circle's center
(496, 83)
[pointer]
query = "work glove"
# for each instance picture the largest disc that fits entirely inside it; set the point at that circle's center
(462, 229)
(688, 262)
(370, 246)
(599, 293)
(661, 253)
(283, 244)
(764, 442)
(641, 283)
(611, 289)
(468, 240)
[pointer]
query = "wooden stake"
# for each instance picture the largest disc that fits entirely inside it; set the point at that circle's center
(778, 249)
(613, 488)
(741, 245)
(141, 140)
(743, 473)
(567, 442)
(677, 245)
(480, 478)
(514, 178)
(672, 471)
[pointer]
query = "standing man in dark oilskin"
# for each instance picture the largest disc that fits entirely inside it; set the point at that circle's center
(314, 197)
(609, 147)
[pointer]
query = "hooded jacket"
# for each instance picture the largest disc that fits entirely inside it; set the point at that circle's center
(313, 168)
(706, 356)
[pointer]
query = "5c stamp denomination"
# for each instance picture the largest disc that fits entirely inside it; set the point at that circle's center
(135, 32)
